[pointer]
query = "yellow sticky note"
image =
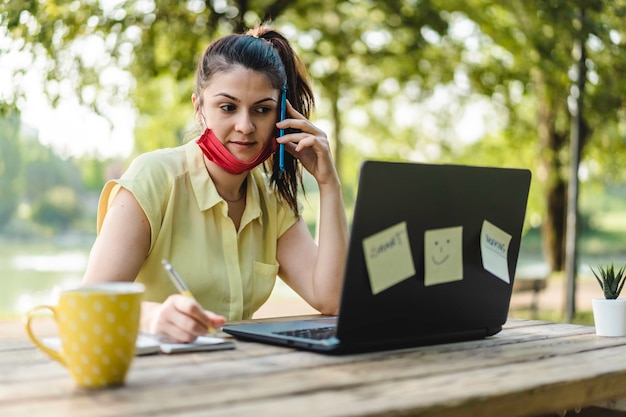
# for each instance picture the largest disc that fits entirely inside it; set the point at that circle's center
(388, 257)
(443, 255)
(494, 248)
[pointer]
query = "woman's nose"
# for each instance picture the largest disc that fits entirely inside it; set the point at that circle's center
(244, 123)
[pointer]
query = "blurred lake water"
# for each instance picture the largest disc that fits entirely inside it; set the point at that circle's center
(34, 273)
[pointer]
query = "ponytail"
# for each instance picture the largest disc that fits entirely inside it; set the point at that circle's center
(300, 95)
(299, 91)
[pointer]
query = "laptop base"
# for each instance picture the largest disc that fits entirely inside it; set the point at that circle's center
(263, 332)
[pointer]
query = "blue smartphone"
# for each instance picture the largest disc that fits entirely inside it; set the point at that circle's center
(283, 112)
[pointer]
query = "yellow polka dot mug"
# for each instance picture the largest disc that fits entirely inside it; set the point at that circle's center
(98, 326)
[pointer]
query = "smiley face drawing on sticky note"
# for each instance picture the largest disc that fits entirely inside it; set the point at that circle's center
(443, 255)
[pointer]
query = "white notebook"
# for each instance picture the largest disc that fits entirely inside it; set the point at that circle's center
(148, 345)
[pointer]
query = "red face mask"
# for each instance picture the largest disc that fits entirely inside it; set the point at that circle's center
(215, 151)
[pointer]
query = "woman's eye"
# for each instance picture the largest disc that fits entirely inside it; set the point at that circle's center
(264, 110)
(228, 107)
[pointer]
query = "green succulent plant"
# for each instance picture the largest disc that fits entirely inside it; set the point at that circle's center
(610, 281)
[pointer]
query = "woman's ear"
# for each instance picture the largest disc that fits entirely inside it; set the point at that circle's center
(196, 108)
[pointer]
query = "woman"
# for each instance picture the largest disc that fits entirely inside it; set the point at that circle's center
(219, 208)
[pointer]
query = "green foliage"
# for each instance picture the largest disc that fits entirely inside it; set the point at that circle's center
(610, 281)
(93, 173)
(10, 164)
(167, 113)
(380, 69)
(58, 208)
(371, 62)
(44, 169)
(145, 39)
(525, 59)
(46, 188)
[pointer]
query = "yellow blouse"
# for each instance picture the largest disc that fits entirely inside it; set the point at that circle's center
(229, 272)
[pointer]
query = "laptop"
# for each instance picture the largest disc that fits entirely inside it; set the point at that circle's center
(431, 259)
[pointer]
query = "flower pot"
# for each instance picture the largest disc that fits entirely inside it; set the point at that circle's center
(609, 316)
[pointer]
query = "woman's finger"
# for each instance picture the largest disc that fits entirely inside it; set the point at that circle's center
(293, 113)
(182, 319)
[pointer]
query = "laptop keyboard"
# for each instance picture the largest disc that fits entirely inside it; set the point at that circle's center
(318, 333)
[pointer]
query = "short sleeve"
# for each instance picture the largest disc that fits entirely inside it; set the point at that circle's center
(286, 217)
(149, 179)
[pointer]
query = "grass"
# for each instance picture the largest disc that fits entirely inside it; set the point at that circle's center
(584, 318)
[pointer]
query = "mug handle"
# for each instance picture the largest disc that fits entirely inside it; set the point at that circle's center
(53, 353)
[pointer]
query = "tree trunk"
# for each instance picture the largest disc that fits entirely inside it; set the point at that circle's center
(551, 147)
(553, 228)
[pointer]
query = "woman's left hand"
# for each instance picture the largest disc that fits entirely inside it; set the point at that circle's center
(310, 145)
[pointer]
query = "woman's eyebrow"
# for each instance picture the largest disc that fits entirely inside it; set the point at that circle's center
(266, 99)
(233, 98)
(228, 96)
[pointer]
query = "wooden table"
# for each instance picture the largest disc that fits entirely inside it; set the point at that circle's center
(530, 368)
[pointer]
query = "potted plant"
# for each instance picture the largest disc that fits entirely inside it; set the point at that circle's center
(609, 313)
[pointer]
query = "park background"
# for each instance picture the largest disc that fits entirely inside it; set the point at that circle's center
(87, 85)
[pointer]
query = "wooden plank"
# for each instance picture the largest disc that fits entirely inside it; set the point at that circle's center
(248, 350)
(472, 394)
(283, 376)
(367, 399)
(513, 322)
(162, 367)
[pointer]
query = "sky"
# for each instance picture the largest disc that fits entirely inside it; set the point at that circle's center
(69, 128)
(73, 130)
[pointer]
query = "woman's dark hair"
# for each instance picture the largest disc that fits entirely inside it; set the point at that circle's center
(266, 51)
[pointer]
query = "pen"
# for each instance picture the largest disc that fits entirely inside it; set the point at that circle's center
(180, 284)
(281, 146)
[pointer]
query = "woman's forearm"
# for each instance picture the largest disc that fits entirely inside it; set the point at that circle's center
(332, 248)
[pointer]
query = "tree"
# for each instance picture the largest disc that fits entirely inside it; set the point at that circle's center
(362, 55)
(374, 63)
(526, 61)
(356, 48)
(350, 47)
(108, 51)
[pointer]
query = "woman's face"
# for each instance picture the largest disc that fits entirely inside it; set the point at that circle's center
(241, 107)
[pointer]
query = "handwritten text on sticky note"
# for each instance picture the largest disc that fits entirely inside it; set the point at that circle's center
(494, 248)
(388, 257)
